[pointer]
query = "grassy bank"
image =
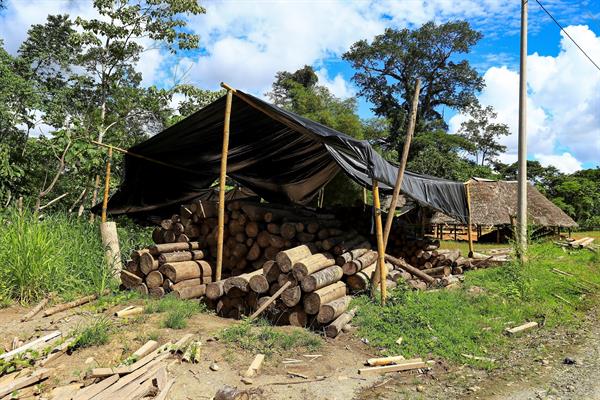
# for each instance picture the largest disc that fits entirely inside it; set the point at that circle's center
(450, 323)
(57, 254)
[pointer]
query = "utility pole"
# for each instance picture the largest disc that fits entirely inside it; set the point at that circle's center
(522, 175)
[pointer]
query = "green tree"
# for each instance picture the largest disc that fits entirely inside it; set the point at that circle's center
(193, 100)
(388, 67)
(483, 133)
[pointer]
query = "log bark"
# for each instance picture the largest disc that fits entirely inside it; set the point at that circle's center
(288, 230)
(241, 282)
(180, 271)
(437, 271)
(271, 271)
(148, 263)
(353, 254)
(156, 292)
(66, 306)
(130, 280)
(409, 268)
(36, 309)
(286, 259)
(313, 301)
(362, 262)
(190, 292)
(362, 279)
(330, 311)
(179, 256)
(312, 264)
(291, 296)
(154, 279)
(172, 247)
(259, 284)
(298, 317)
(322, 278)
(110, 241)
(333, 330)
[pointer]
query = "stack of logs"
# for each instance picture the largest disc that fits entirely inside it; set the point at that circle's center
(254, 232)
(170, 267)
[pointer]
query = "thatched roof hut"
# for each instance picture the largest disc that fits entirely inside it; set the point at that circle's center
(494, 202)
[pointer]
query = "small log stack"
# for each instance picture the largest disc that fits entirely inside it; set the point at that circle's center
(169, 267)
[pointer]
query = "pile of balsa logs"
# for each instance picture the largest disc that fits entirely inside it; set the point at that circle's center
(169, 267)
(301, 287)
(254, 232)
(583, 243)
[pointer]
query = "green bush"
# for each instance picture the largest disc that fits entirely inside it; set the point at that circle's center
(178, 311)
(58, 253)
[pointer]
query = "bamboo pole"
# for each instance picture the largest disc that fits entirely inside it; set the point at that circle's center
(469, 232)
(222, 179)
(106, 185)
(380, 271)
(400, 177)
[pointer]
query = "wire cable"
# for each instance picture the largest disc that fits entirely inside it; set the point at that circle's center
(567, 34)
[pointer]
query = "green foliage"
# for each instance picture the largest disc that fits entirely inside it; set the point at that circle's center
(96, 333)
(57, 254)
(450, 323)
(268, 340)
(388, 67)
(178, 311)
(482, 133)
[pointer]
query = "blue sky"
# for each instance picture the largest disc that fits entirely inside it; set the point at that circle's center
(244, 42)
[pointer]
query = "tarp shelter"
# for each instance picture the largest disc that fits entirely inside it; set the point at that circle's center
(277, 154)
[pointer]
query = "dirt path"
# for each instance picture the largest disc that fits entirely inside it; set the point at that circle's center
(535, 369)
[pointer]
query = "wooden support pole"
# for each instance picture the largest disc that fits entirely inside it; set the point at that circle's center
(222, 179)
(469, 232)
(400, 177)
(106, 185)
(381, 270)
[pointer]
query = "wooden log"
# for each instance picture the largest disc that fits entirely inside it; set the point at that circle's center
(437, 271)
(379, 361)
(188, 283)
(330, 311)
(322, 278)
(271, 252)
(259, 284)
(179, 256)
(367, 259)
(273, 229)
(288, 230)
(19, 383)
(130, 310)
(254, 252)
(298, 317)
(36, 309)
(286, 259)
(154, 279)
(362, 279)
(157, 292)
(72, 304)
(276, 241)
(271, 270)
(312, 264)
(291, 296)
(313, 301)
(305, 237)
(190, 292)
(409, 268)
(333, 330)
(148, 263)
(173, 247)
(268, 302)
(180, 271)
(231, 393)
(263, 239)
(241, 282)
(215, 290)
(141, 289)
(416, 284)
(353, 254)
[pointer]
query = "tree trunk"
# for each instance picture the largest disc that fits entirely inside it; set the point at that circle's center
(180, 256)
(241, 282)
(298, 317)
(172, 247)
(352, 267)
(353, 254)
(291, 296)
(362, 279)
(336, 326)
(409, 268)
(190, 292)
(154, 279)
(286, 259)
(312, 264)
(180, 271)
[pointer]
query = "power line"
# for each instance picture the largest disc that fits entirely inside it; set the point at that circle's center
(566, 33)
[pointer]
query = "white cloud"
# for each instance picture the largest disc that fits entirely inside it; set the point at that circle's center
(565, 162)
(338, 86)
(563, 105)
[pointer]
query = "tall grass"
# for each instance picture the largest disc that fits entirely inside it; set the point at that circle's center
(58, 253)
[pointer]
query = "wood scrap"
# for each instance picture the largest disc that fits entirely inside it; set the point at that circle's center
(35, 377)
(405, 365)
(254, 368)
(521, 328)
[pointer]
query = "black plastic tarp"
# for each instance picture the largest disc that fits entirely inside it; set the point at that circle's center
(279, 155)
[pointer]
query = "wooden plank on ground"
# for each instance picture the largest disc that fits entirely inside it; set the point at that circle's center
(34, 344)
(254, 368)
(386, 360)
(404, 366)
(521, 328)
(90, 391)
(20, 383)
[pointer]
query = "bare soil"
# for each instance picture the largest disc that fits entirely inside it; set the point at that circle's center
(535, 369)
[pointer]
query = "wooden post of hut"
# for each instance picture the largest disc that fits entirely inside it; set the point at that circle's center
(222, 178)
(380, 274)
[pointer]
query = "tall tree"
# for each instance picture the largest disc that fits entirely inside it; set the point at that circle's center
(481, 130)
(388, 67)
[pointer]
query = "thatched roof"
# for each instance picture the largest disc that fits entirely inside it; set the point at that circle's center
(494, 202)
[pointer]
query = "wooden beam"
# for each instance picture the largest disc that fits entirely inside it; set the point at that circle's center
(406, 365)
(380, 275)
(409, 133)
(222, 179)
(271, 300)
(20, 383)
(469, 232)
(521, 328)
